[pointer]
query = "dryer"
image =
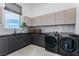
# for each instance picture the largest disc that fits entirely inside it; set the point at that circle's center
(68, 44)
(51, 42)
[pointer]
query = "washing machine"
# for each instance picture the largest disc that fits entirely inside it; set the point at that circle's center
(51, 42)
(68, 44)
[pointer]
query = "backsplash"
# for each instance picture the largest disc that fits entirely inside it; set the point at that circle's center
(4, 31)
(63, 28)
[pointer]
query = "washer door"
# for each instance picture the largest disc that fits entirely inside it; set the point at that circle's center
(50, 41)
(68, 44)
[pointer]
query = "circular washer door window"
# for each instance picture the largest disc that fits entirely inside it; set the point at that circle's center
(68, 44)
(51, 41)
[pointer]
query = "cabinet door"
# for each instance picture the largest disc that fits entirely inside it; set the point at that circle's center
(35, 21)
(60, 17)
(3, 46)
(15, 43)
(39, 20)
(24, 39)
(70, 16)
(27, 21)
(44, 20)
(51, 19)
(38, 39)
(18, 41)
(12, 44)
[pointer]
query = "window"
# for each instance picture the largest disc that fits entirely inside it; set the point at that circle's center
(12, 20)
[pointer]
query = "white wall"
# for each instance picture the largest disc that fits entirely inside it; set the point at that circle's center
(26, 9)
(45, 8)
(77, 19)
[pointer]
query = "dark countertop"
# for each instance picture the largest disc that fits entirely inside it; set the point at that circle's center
(18, 34)
(35, 33)
(12, 34)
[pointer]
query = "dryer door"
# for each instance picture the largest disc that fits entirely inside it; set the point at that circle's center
(68, 44)
(50, 42)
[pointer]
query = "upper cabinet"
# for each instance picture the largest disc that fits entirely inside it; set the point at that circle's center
(27, 21)
(51, 19)
(70, 16)
(57, 18)
(44, 20)
(60, 18)
(36, 21)
(66, 17)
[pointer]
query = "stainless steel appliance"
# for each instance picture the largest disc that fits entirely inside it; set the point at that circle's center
(68, 44)
(51, 42)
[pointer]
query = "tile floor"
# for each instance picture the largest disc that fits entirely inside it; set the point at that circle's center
(32, 50)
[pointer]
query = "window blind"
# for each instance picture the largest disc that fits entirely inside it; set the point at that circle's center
(13, 7)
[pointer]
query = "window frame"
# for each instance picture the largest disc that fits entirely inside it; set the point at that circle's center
(14, 13)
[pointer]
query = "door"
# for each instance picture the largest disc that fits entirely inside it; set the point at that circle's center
(12, 44)
(24, 40)
(59, 17)
(50, 42)
(39, 39)
(70, 16)
(18, 41)
(51, 19)
(68, 44)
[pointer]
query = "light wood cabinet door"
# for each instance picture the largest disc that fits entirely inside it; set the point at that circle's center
(51, 19)
(62, 17)
(70, 16)
(59, 17)
(27, 20)
(36, 21)
(48, 19)
(44, 20)
(39, 21)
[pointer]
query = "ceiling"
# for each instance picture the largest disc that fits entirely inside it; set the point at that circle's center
(31, 4)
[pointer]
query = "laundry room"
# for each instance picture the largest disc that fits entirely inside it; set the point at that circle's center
(39, 29)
